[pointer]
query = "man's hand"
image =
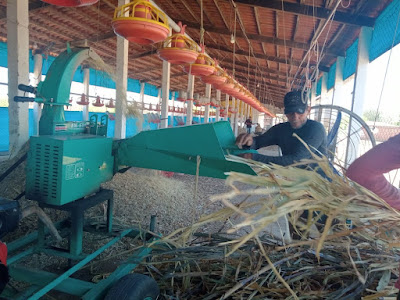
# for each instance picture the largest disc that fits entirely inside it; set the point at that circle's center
(244, 139)
(246, 155)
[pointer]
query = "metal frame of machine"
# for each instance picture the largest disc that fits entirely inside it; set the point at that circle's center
(68, 161)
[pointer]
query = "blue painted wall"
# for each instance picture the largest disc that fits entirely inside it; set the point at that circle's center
(131, 128)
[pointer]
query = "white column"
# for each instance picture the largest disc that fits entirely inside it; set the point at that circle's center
(227, 108)
(324, 89)
(121, 84)
(218, 99)
(189, 112)
(85, 108)
(361, 74)
(207, 107)
(233, 116)
(359, 91)
(173, 111)
(338, 92)
(313, 93)
(237, 116)
(141, 96)
(37, 76)
(165, 93)
(18, 72)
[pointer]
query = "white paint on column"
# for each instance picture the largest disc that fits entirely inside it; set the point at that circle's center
(237, 116)
(207, 107)
(313, 94)
(338, 90)
(85, 108)
(37, 77)
(165, 93)
(173, 109)
(359, 91)
(141, 100)
(18, 72)
(324, 89)
(189, 109)
(227, 108)
(121, 84)
(217, 111)
(233, 115)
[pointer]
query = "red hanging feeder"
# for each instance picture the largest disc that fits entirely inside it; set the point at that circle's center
(203, 66)
(111, 104)
(71, 3)
(98, 102)
(179, 49)
(217, 78)
(140, 22)
(84, 100)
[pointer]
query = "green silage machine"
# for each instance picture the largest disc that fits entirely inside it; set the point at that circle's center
(66, 165)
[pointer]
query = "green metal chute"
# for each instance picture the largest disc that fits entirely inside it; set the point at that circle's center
(177, 149)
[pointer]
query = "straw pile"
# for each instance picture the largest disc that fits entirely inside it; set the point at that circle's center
(342, 262)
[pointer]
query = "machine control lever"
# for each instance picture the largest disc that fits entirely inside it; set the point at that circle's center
(23, 99)
(27, 88)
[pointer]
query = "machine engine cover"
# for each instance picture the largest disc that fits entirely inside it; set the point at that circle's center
(62, 169)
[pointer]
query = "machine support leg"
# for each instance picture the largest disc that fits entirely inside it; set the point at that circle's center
(76, 238)
(110, 208)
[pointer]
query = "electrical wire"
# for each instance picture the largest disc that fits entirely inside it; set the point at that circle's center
(315, 41)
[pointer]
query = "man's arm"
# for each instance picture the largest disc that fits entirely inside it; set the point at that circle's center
(270, 137)
(315, 137)
(369, 168)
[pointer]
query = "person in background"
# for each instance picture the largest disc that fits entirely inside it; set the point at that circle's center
(248, 124)
(311, 132)
(368, 170)
(258, 130)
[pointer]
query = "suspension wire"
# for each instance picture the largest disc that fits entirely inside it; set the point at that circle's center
(315, 40)
(234, 46)
(248, 68)
(201, 24)
(387, 69)
(246, 37)
(284, 42)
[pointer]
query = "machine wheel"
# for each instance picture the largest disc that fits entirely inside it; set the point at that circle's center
(134, 287)
(353, 136)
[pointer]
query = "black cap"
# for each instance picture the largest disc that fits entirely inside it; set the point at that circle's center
(294, 103)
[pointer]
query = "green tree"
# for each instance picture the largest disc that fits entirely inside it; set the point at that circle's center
(373, 115)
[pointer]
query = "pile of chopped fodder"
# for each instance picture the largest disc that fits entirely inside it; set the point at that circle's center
(345, 262)
(137, 196)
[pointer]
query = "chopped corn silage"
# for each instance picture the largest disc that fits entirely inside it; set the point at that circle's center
(139, 195)
(344, 262)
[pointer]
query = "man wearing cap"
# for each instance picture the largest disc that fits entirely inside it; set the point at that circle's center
(311, 132)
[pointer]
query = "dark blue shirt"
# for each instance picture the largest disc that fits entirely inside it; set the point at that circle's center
(312, 133)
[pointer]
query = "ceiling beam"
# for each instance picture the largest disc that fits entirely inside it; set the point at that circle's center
(258, 55)
(32, 6)
(260, 38)
(308, 10)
